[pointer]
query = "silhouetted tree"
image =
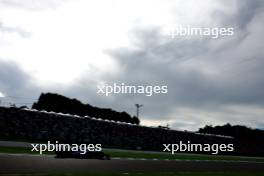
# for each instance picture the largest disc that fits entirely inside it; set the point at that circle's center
(235, 131)
(59, 103)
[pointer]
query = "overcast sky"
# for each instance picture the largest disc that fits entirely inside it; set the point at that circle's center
(71, 46)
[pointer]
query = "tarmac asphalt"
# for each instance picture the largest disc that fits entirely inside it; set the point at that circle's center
(11, 163)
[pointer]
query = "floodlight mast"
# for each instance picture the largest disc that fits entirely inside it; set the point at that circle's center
(138, 106)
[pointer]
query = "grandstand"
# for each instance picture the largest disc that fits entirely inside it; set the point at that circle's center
(34, 125)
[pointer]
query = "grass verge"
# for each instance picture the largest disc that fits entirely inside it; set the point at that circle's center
(181, 156)
(131, 154)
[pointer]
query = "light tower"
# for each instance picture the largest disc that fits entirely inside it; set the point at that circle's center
(138, 106)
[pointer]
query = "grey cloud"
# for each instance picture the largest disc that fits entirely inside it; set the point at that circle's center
(205, 77)
(17, 30)
(244, 12)
(32, 4)
(200, 73)
(14, 82)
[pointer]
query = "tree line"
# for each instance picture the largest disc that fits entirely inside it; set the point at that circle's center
(59, 103)
(237, 131)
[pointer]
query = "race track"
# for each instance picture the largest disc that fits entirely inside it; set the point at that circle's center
(41, 164)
